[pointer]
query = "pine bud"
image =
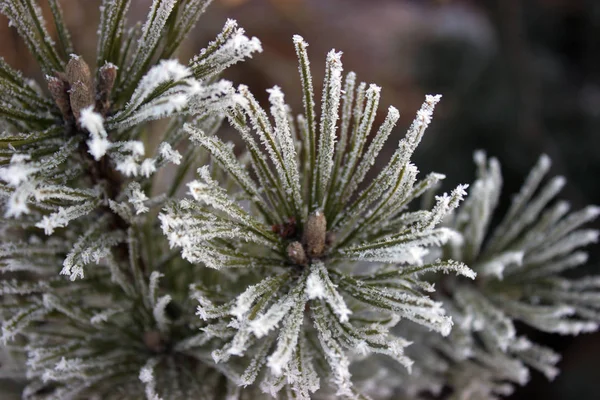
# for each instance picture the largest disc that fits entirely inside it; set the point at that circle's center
(81, 97)
(81, 93)
(59, 90)
(329, 239)
(78, 71)
(154, 341)
(107, 76)
(296, 253)
(314, 233)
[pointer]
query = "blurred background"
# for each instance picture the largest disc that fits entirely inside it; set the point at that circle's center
(518, 77)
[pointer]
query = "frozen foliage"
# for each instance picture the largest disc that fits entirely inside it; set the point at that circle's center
(519, 265)
(295, 267)
(76, 177)
(333, 261)
(78, 139)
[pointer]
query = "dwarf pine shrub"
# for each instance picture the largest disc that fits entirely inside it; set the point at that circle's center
(295, 266)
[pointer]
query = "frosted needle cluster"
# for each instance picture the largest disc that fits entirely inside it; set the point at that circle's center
(333, 260)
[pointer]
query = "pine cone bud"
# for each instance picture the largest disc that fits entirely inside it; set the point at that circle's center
(78, 71)
(59, 90)
(107, 75)
(314, 233)
(329, 239)
(296, 253)
(154, 341)
(81, 96)
(81, 93)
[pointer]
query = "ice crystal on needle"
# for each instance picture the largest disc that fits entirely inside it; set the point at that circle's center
(333, 258)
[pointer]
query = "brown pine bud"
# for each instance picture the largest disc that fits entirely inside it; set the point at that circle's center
(78, 71)
(314, 233)
(286, 230)
(81, 96)
(329, 239)
(59, 90)
(107, 75)
(154, 341)
(296, 254)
